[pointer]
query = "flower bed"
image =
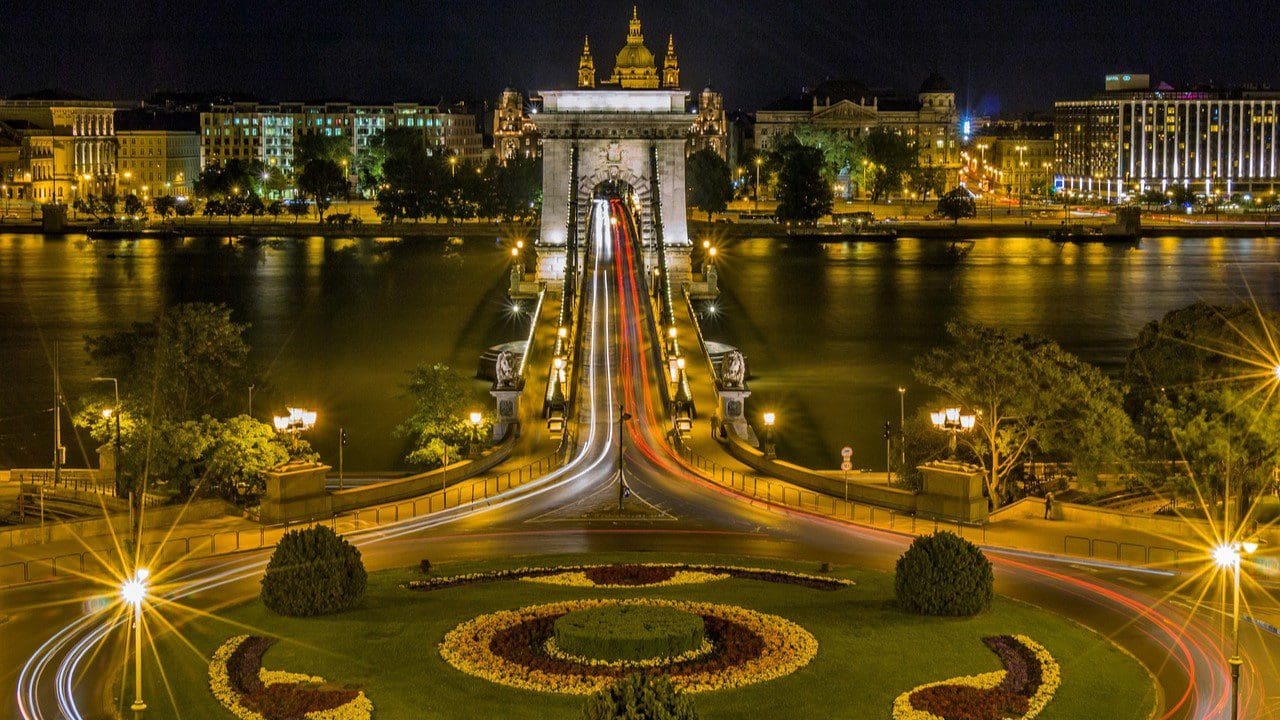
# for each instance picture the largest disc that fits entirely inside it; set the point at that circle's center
(511, 648)
(633, 575)
(240, 683)
(1021, 691)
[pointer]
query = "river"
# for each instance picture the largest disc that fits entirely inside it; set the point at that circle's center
(830, 330)
(335, 325)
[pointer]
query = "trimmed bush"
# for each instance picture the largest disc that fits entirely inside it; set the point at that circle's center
(313, 571)
(639, 697)
(943, 574)
(629, 632)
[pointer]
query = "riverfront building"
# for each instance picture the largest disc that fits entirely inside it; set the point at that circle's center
(1134, 137)
(158, 152)
(850, 108)
(253, 131)
(65, 149)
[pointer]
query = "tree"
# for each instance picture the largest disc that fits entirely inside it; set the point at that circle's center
(519, 188)
(322, 179)
(841, 152)
(927, 180)
(943, 574)
(1153, 197)
(803, 194)
(957, 204)
(313, 571)
(439, 422)
(243, 450)
(191, 361)
(164, 205)
(1201, 386)
(1027, 392)
(133, 205)
(639, 697)
(890, 157)
(708, 182)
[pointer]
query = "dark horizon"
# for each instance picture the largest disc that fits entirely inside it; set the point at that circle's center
(1000, 60)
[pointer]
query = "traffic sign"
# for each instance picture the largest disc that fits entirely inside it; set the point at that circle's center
(846, 466)
(846, 452)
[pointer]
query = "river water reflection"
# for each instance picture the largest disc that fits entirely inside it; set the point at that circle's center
(335, 324)
(831, 330)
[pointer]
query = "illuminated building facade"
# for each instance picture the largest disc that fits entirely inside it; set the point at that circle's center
(850, 108)
(66, 148)
(252, 131)
(1134, 138)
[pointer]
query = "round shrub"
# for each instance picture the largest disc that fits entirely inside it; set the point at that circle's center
(629, 632)
(639, 697)
(943, 574)
(313, 571)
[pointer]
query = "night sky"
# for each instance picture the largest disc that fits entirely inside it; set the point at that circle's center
(1001, 56)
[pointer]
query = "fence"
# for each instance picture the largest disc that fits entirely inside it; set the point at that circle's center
(783, 494)
(777, 492)
(175, 549)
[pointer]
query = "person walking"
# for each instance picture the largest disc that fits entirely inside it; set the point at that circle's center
(1048, 505)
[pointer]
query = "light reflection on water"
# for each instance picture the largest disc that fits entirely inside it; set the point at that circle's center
(831, 330)
(336, 324)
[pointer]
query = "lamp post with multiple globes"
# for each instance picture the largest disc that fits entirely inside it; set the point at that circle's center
(952, 421)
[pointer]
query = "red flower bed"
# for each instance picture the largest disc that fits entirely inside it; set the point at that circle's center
(1011, 698)
(278, 701)
(633, 575)
(525, 644)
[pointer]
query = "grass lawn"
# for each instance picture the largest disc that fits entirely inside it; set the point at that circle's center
(868, 651)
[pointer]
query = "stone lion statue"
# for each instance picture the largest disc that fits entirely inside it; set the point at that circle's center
(506, 370)
(733, 369)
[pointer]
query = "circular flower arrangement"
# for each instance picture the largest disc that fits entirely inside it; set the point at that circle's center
(1021, 691)
(510, 647)
(617, 577)
(251, 692)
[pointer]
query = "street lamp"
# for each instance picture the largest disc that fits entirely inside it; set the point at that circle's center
(770, 452)
(952, 421)
(134, 593)
(759, 162)
(623, 416)
(902, 423)
(475, 419)
(453, 165)
(108, 414)
(1228, 556)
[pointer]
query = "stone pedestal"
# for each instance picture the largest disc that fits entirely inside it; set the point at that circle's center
(952, 491)
(552, 260)
(507, 418)
(733, 405)
(295, 491)
(679, 266)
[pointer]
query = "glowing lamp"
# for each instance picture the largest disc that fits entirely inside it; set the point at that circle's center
(1227, 556)
(938, 418)
(967, 422)
(476, 418)
(769, 419)
(134, 590)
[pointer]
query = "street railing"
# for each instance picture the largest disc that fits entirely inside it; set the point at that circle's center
(782, 494)
(95, 563)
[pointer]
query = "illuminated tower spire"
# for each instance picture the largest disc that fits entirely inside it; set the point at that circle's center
(671, 66)
(586, 66)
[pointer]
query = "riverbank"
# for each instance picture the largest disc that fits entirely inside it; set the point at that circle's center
(979, 229)
(260, 228)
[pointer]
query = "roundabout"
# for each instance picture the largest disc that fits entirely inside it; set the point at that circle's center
(785, 649)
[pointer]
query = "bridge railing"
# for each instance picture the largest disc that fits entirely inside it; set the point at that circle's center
(92, 562)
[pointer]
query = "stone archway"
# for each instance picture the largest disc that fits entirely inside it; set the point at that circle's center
(594, 136)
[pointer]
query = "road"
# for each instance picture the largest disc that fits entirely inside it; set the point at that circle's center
(60, 670)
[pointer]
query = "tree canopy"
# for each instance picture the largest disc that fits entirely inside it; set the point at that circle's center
(439, 424)
(1204, 388)
(804, 195)
(890, 158)
(1026, 392)
(709, 183)
(957, 204)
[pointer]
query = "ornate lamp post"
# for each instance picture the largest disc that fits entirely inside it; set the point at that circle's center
(475, 418)
(296, 422)
(1228, 556)
(954, 422)
(113, 413)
